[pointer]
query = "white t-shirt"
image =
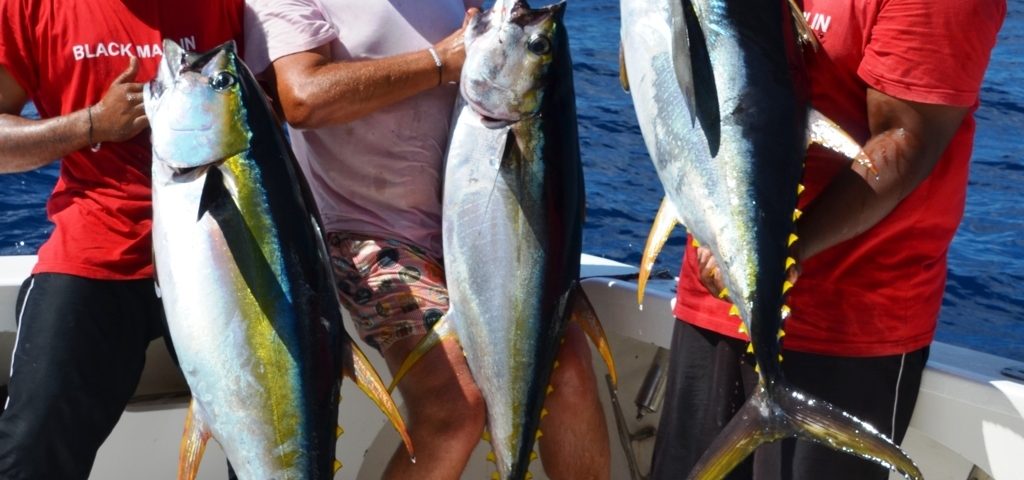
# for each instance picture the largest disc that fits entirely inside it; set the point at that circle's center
(381, 174)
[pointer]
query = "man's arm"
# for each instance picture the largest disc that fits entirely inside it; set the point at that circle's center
(907, 140)
(29, 144)
(315, 91)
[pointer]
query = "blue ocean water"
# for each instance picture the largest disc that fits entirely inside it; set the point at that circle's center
(984, 304)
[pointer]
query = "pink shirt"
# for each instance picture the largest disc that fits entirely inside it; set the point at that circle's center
(381, 174)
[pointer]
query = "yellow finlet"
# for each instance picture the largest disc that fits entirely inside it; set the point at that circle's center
(544, 412)
(664, 222)
(782, 333)
(724, 293)
(495, 476)
(338, 431)
(790, 261)
(750, 348)
(800, 189)
(734, 311)
(780, 358)
(792, 239)
(797, 213)
(556, 364)
(550, 389)
(695, 243)
(786, 312)
(786, 286)
(528, 476)
(539, 434)
(486, 436)
(491, 458)
(743, 328)
(533, 456)
(337, 466)
(623, 75)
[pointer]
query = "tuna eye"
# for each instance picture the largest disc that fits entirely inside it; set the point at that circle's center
(222, 81)
(539, 45)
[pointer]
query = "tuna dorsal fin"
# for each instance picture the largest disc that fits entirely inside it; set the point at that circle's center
(823, 131)
(193, 443)
(704, 91)
(794, 414)
(623, 76)
(367, 379)
(664, 222)
(585, 316)
(441, 330)
(803, 30)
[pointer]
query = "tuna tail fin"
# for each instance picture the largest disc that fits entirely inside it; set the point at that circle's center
(767, 417)
(193, 444)
(664, 223)
(441, 330)
(369, 382)
(585, 316)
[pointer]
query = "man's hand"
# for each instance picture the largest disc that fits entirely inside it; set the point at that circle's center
(452, 50)
(120, 115)
(711, 276)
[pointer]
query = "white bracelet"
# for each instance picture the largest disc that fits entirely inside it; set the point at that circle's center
(437, 61)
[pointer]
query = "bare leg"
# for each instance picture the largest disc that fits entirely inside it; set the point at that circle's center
(446, 412)
(575, 441)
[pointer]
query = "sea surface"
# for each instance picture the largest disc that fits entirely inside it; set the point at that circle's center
(984, 304)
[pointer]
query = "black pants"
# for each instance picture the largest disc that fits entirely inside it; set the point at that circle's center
(711, 376)
(79, 353)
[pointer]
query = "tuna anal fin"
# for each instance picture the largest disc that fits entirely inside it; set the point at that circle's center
(193, 444)
(623, 75)
(585, 316)
(442, 330)
(664, 222)
(791, 414)
(366, 378)
(823, 131)
(803, 30)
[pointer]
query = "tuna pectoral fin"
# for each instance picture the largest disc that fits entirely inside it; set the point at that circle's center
(823, 131)
(193, 444)
(789, 413)
(664, 222)
(585, 316)
(442, 330)
(803, 30)
(369, 382)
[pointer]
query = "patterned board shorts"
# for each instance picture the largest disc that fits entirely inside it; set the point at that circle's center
(391, 289)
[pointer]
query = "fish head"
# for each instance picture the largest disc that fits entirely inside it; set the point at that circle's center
(195, 107)
(509, 50)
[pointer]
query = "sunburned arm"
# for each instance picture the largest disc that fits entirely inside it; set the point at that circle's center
(29, 144)
(315, 91)
(907, 139)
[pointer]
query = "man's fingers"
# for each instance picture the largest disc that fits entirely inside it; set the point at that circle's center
(129, 73)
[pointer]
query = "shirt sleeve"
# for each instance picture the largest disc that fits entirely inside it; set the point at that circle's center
(277, 28)
(932, 51)
(16, 51)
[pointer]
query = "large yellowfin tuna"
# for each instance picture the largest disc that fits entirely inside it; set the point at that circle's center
(245, 281)
(717, 87)
(513, 218)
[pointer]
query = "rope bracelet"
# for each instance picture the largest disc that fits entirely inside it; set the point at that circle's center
(437, 61)
(94, 146)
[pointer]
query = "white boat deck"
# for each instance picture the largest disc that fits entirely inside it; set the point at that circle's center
(969, 421)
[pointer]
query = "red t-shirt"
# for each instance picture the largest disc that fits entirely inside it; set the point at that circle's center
(65, 55)
(879, 293)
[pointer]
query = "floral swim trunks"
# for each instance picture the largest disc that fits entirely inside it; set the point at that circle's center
(391, 289)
